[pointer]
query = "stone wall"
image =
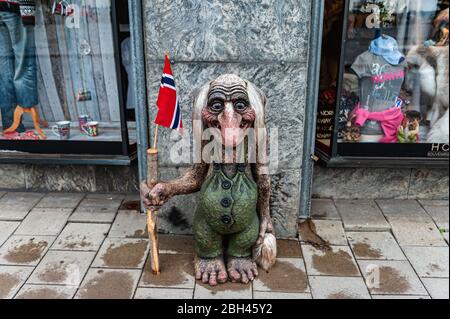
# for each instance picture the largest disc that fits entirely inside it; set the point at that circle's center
(67, 178)
(263, 41)
(385, 183)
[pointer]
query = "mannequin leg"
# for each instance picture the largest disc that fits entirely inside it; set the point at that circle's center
(36, 122)
(18, 113)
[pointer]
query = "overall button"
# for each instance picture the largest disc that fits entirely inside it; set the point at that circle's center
(226, 219)
(216, 166)
(226, 202)
(241, 168)
(226, 185)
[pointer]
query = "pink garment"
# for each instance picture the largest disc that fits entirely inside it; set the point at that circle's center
(390, 121)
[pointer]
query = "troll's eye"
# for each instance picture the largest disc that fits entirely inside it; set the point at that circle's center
(216, 106)
(240, 106)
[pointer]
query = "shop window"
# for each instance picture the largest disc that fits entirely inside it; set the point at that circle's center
(384, 80)
(64, 84)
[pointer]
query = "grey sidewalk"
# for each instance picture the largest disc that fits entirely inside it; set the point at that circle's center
(95, 246)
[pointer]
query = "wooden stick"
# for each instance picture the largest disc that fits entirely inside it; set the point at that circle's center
(155, 139)
(152, 216)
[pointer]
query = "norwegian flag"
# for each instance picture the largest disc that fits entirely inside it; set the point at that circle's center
(169, 111)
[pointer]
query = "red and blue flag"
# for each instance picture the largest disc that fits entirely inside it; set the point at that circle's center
(169, 111)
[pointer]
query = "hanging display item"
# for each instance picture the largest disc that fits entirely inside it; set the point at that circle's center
(84, 94)
(62, 8)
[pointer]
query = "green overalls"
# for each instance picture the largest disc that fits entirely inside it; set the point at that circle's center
(227, 210)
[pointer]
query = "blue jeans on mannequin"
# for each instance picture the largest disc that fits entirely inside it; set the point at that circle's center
(18, 70)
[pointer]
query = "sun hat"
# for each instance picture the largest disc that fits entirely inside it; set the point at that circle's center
(387, 47)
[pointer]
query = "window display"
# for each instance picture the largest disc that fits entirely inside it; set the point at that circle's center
(389, 84)
(61, 78)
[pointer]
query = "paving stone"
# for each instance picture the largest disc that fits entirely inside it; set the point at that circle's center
(161, 293)
(429, 261)
(15, 206)
(11, 279)
(92, 216)
(13, 213)
(334, 261)
(62, 268)
(6, 230)
(122, 253)
(42, 292)
(375, 246)
(403, 209)
(437, 287)
(416, 233)
(109, 284)
(225, 291)
(330, 231)
(44, 222)
(131, 197)
(445, 235)
(101, 209)
(82, 237)
(289, 248)
(338, 288)
(266, 295)
(432, 202)
(361, 215)
(131, 203)
(398, 297)
(288, 275)
(172, 244)
(24, 250)
(21, 199)
(324, 209)
(107, 197)
(60, 200)
(438, 212)
(104, 203)
(181, 265)
(391, 278)
(129, 224)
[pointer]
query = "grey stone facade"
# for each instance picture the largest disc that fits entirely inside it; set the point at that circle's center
(386, 183)
(263, 41)
(69, 178)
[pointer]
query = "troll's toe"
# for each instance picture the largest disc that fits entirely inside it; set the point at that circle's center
(211, 271)
(242, 270)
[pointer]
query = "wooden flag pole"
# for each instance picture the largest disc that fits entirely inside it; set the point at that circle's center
(152, 215)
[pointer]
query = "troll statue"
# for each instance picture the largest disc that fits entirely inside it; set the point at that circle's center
(232, 226)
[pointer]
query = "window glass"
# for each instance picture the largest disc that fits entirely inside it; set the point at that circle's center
(61, 65)
(395, 81)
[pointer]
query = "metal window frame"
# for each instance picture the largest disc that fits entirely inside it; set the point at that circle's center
(139, 84)
(309, 143)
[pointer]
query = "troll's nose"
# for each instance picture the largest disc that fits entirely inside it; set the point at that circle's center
(230, 122)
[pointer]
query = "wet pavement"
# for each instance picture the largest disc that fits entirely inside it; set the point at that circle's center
(95, 246)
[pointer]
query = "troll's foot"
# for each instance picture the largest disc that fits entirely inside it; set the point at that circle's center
(242, 270)
(211, 271)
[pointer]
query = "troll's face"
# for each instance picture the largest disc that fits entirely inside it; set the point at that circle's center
(228, 109)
